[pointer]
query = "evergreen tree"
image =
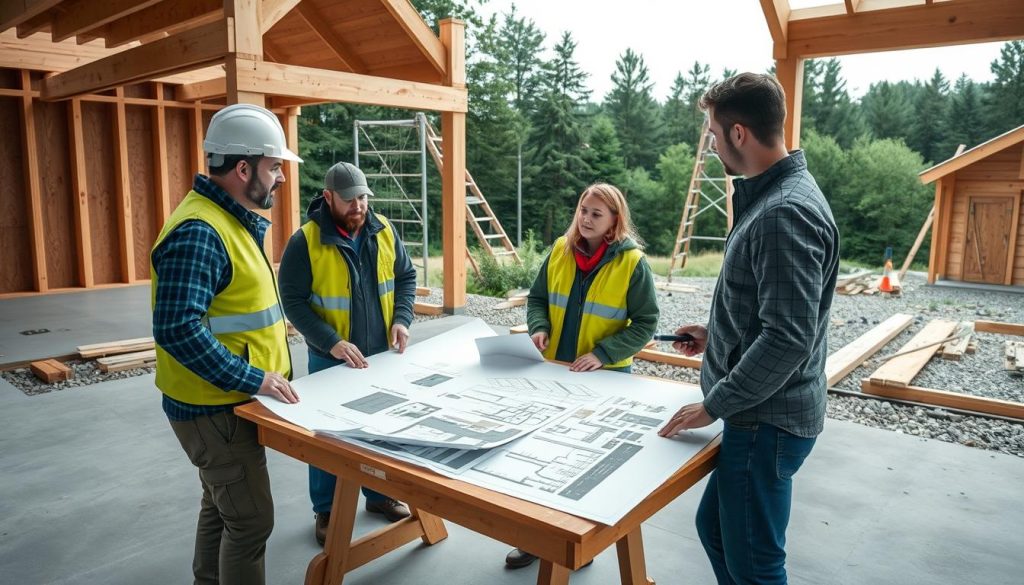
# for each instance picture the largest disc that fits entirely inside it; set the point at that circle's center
(520, 50)
(827, 105)
(558, 173)
(964, 122)
(888, 109)
(927, 130)
(634, 111)
(1005, 102)
(675, 113)
(604, 153)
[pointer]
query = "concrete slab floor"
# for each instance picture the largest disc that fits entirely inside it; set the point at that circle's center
(95, 489)
(73, 319)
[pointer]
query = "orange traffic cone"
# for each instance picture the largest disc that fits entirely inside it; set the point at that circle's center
(886, 283)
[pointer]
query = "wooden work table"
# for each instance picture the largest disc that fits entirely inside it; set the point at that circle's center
(562, 541)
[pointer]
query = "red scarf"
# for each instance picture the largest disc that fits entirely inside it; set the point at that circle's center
(585, 263)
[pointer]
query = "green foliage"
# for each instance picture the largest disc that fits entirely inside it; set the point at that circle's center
(828, 108)
(1005, 103)
(498, 277)
(604, 154)
(928, 126)
(633, 110)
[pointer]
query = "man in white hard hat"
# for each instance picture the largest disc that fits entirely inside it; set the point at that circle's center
(221, 338)
(348, 285)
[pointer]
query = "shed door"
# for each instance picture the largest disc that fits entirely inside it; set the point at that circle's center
(988, 239)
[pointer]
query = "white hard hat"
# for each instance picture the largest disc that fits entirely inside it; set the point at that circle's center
(245, 129)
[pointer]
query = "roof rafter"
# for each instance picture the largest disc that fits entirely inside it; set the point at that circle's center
(272, 11)
(80, 16)
(319, 26)
(428, 44)
(15, 12)
(158, 17)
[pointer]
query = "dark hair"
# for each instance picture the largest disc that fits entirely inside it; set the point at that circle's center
(231, 161)
(753, 100)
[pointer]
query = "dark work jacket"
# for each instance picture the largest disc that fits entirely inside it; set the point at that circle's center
(367, 330)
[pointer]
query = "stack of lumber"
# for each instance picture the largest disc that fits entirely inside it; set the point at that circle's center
(514, 299)
(115, 347)
(1014, 363)
(51, 371)
(860, 282)
(956, 348)
(128, 361)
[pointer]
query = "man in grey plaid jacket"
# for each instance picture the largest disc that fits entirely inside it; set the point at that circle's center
(765, 343)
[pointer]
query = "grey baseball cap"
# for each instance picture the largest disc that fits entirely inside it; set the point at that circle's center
(346, 180)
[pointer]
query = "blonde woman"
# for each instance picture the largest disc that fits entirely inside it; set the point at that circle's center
(593, 303)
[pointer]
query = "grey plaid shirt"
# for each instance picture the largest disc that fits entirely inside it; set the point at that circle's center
(765, 358)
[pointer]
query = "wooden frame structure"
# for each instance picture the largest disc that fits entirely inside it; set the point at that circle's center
(978, 228)
(112, 99)
(868, 26)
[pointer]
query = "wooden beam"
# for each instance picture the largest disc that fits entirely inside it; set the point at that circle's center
(432, 48)
(15, 12)
(123, 188)
(321, 28)
(998, 327)
(851, 6)
(201, 90)
(292, 211)
(33, 196)
(40, 22)
(850, 356)
(946, 226)
(899, 371)
(161, 175)
(917, 243)
(790, 73)
(272, 11)
(195, 141)
(776, 14)
(159, 17)
(421, 308)
(191, 49)
(933, 250)
(339, 86)
(946, 399)
(83, 233)
(248, 49)
(80, 16)
(906, 27)
(453, 173)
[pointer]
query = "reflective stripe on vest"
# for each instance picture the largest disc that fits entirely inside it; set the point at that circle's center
(331, 291)
(244, 322)
(603, 311)
(245, 317)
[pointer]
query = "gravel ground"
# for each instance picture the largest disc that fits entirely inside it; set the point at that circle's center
(980, 374)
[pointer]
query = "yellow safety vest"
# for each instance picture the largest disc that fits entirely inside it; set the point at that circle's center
(245, 317)
(331, 293)
(604, 309)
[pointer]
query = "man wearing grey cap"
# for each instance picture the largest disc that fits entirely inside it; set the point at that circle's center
(348, 285)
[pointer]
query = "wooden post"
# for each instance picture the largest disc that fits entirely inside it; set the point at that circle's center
(790, 73)
(917, 243)
(195, 140)
(944, 215)
(83, 234)
(35, 202)
(123, 189)
(453, 177)
(161, 179)
(290, 212)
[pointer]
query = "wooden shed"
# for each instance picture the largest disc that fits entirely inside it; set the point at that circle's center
(978, 231)
(103, 106)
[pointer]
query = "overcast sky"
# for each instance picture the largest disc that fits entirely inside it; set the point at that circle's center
(672, 34)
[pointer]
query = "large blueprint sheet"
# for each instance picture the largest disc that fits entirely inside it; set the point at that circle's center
(584, 443)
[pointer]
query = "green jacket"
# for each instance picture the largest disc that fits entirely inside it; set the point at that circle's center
(641, 304)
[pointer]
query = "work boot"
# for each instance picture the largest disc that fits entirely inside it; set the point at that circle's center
(393, 510)
(322, 520)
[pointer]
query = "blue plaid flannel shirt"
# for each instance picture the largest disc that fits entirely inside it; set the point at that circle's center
(192, 266)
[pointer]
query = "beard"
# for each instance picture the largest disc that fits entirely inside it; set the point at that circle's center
(259, 194)
(733, 154)
(353, 221)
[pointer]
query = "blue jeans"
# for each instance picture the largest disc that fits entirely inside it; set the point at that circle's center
(321, 483)
(743, 515)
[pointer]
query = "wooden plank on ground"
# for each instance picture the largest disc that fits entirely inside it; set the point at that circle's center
(516, 329)
(95, 350)
(511, 303)
(427, 309)
(853, 354)
(133, 365)
(997, 327)
(135, 356)
(422, 291)
(674, 287)
(673, 359)
(954, 350)
(51, 371)
(946, 399)
(851, 278)
(900, 370)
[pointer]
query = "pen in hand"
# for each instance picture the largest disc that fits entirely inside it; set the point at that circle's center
(684, 338)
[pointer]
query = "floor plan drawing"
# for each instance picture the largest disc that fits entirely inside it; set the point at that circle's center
(584, 443)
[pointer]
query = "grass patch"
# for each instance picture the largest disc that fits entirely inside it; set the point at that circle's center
(706, 264)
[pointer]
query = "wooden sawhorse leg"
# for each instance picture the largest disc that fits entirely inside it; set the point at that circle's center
(632, 566)
(552, 574)
(342, 555)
